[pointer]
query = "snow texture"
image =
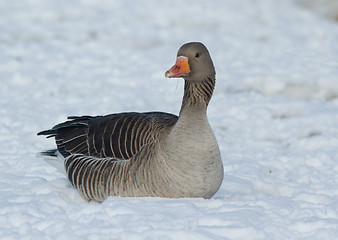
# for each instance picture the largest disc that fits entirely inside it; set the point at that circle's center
(274, 113)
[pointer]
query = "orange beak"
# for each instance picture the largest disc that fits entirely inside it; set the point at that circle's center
(180, 69)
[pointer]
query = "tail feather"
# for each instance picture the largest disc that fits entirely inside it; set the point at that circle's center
(50, 133)
(49, 153)
(54, 158)
(73, 122)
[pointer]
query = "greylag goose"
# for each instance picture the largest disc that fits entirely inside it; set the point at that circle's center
(152, 154)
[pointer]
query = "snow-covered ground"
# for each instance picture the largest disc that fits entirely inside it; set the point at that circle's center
(274, 113)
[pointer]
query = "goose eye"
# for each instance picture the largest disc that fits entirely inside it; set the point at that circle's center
(197, 55)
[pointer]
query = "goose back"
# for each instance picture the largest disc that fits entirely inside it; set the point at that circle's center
(118, 136)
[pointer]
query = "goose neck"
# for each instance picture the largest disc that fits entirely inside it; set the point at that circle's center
(197, 94)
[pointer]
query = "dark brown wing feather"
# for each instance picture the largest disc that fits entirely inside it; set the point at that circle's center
(118, 136)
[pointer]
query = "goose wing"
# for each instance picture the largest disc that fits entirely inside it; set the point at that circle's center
(119, 136)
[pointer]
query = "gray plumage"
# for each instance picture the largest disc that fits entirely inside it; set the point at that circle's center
(147, 154)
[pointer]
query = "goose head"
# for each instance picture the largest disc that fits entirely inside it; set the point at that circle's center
(193, 63)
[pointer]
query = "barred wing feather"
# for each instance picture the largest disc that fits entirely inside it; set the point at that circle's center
(118, 136)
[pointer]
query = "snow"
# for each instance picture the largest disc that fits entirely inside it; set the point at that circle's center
(274, 113)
